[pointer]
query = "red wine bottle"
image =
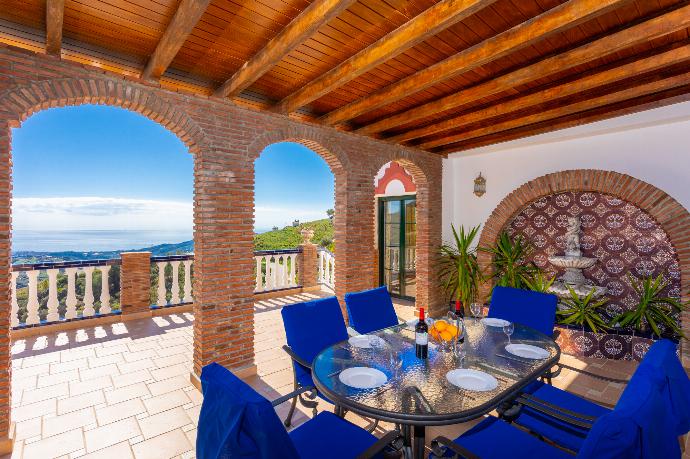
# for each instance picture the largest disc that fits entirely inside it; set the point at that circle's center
(421, 337)
(460, 322)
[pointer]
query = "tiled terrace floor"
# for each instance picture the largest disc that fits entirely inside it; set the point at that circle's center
(123, 390)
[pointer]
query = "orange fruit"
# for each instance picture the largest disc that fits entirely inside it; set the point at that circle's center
(452, 329)
(434, 333)
(440, 325)
(446, 336)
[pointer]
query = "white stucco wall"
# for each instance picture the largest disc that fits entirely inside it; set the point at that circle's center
(653, 146)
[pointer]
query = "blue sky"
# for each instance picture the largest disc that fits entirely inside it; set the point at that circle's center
(98, 167)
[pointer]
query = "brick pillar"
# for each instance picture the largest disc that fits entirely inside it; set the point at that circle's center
(308, 262)
(135, 282)
(5, 263)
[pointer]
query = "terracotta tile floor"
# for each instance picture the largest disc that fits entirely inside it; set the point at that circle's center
(123, 390)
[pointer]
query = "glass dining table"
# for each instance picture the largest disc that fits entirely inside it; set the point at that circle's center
(415, 393)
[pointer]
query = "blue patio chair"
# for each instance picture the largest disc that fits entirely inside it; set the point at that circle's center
(236, 422)
(370, 310)
(566, 418)
(310, 327)
(639, 427)
(534, 309)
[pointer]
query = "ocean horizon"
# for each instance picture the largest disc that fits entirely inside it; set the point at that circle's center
(93, 240)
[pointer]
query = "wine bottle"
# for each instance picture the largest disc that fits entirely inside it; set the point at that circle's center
(459, 321)
(421, 337)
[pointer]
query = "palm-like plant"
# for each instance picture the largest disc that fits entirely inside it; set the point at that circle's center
(538, 282)
(511, 267)
(653, 308)
(460, 272)
(583, 311)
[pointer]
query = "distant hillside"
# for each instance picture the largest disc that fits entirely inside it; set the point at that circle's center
(289, 237)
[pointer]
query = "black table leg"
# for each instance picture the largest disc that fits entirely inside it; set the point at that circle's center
(419, 433)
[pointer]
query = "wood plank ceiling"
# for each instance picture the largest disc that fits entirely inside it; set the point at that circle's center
(441, 75)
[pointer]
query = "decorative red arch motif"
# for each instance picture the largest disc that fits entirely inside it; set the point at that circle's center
(395, 172)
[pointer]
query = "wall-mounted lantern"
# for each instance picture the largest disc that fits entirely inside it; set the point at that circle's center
(479, 185)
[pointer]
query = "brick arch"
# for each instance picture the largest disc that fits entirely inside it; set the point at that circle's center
(669, 213)
(24, 101)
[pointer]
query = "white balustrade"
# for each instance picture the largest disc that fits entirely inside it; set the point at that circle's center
(326, 268)
(30, 314)
(162, 290)
(275, 271)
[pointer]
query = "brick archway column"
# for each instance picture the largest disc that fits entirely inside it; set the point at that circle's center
(5, 295)
(669, 213)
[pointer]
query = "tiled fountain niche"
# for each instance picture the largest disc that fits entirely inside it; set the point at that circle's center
(623, 238)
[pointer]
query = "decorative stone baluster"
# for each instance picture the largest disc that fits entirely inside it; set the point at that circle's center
(32, 305)
(283, 271)
(14, 317)
(162, 300)
(270, 273)
(71, 300)
(175, 293)
(53, 315)
(331, 280)
(259, 274)
(88, 292)
(105, 290)
(187, 298)
(293, 269)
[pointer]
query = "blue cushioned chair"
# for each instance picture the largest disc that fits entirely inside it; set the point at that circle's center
(310, 327)
(566, 418)
(640, 426)
(370, 310)
(236, 422)
(534, 309)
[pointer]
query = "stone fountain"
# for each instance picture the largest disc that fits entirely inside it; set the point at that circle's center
(573, 262)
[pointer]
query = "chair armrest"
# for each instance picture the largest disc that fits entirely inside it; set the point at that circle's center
(294, 394)
(296, 357)
(380, 445)
(458, 450)
(352, 332)
(594, 375)
(583, 421)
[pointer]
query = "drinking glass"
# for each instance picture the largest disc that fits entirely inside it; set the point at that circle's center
(476, 309)
(395, 363)
(508, 330)
(460, 352)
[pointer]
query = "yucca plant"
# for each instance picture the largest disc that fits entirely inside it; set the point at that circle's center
(460, 272)
(583, 311)
(510, 262)
(539, 283)
(653, 309)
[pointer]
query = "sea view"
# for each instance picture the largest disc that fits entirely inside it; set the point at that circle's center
(93, 240)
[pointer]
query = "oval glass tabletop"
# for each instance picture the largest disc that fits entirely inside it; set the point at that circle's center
(417, 391)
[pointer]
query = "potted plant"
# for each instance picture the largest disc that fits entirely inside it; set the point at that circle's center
(582, 311)
(654, 308)
(511, 267)
(460, 272)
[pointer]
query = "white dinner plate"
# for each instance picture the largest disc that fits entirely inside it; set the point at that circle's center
(494, 322)
(365, 341)
(474, 380)
(363, 377)
(528, 351)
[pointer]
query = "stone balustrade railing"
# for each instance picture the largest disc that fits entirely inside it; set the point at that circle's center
(178, 268)
(276, 269)
(53, 292)
(326, 268)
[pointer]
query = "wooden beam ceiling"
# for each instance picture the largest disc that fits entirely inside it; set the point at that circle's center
(641, 33)
(298, 30)
(423, 26)
(55, 13)
(568, 88)
(186, 17)
(521, 36)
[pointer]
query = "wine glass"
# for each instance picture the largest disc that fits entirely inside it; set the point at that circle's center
(508, 329)
(460, 352)
(395, 363)
(476, 309)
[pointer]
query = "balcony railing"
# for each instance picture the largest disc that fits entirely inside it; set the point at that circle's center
(276, 269)
(326, 268)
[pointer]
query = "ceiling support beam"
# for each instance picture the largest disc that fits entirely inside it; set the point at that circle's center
(294, 34)
(562, 17)
(183, 22)
(612, 75)
(641, 33)
(55, 14)
(423, 26)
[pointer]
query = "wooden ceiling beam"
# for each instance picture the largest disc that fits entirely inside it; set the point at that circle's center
(55, 14)
(423, 26)
(649, 102)
(659, 85)
(183, 22)
(612, 75)
(562, 17)
(651, 29)
(299, 29)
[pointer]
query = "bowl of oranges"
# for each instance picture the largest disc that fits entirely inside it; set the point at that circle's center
(444, 333)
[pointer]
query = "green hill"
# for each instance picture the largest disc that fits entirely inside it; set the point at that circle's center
(289, 237)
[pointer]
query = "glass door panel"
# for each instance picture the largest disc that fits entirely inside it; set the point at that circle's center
(397, 239)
